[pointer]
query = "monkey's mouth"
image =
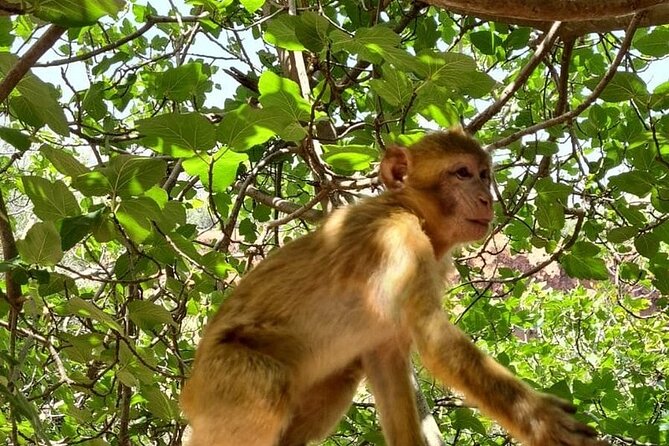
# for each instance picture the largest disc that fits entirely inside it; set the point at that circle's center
(480, 222)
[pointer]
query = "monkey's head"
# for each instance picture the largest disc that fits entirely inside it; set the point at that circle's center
(445, 178)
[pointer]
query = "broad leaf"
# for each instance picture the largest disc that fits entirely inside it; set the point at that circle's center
(177, 134)
(74, 13)
(244, 128)
(647, 244)
(284, 109)
(281, 33)
(394, 87)
(148, 315)
(222, 173)
(64, 162)
(132, 175)
(252, 5)
(82, 308)
(635, 182)
(136, 216)
(184, 82)
(39, 96)
(16, 138)
(623, 87)
(350, 158)
(41, 246)
(159, 404)
(73, 229)
(655, 43)
(51, 200)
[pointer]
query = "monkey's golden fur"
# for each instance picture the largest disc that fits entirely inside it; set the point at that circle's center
(279, 363)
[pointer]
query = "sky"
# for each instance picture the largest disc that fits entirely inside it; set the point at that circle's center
(657, 73)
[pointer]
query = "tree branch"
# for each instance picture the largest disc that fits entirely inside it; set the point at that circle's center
(541, 51)
(281, 205)
(541, 10)
(9, 251)
(10, 8)
(150, 21)
(587, 102)
(19, 70)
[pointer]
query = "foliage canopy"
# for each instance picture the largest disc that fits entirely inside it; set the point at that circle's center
(154, 153)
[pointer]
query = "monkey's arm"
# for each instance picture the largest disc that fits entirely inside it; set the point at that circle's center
(536, 419)
(388, 372)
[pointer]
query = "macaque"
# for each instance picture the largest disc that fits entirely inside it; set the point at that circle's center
(279, 363)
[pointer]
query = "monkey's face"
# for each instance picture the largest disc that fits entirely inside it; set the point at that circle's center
(465, 201)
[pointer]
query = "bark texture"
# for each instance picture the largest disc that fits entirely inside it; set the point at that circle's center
(580, 16)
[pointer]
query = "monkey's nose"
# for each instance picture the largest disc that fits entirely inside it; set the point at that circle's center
(485, 200)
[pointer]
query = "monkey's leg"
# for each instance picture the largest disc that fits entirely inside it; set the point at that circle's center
(236, 396)
(322, 406)
(388, 371)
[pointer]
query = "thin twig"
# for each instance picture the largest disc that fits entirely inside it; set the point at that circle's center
(524, 74)
(631, 29)
(150, 22)
(28, 60)
(298, 212)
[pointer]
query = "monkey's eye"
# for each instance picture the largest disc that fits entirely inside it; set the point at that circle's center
(485, 175)
(463, 173)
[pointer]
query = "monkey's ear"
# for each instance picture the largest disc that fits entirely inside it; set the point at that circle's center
(395, 167)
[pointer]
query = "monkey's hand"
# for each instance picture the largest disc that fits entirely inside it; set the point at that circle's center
(551, 424)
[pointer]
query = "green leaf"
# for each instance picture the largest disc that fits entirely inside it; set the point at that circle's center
(51, 200)
(184, 82)
(465, 419)
(518, 38)
(177, 134)
(74, 13)
(73, 229)
(41, 245)
(312, 30)
(621, 234)
(477, 85)
(224, 172)
(93, 101)
(394, 87)
(6, 35)
(252, 5)
(446, 69)
(280, 32)
(82, 308)
(581, 263)
(486, 41)
(40, 97)
(369, 43)
(148, 315)
(216, 263)
(136, 216)
(133, 175)
(173, 214)
(550, 202)
(159, 404)
(454, 71)
(64, 162)
(349, 158)
(655, 43)
(16, 138)
(622, 87)
(284, 109)
(635, 182)
(244, 127)
(647, 244)
(24, 409)
(92, 184)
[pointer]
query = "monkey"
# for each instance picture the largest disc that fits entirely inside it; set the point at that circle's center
(279, 363)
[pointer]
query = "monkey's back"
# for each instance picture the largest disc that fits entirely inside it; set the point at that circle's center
(290, 307)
